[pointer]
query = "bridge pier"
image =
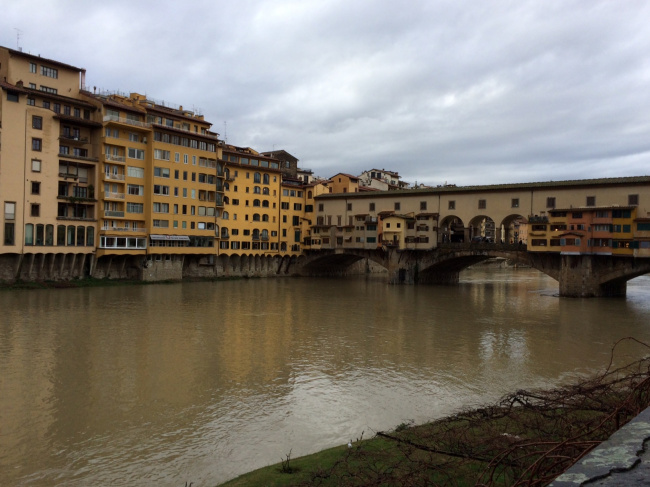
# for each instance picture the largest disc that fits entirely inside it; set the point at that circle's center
(582, 277)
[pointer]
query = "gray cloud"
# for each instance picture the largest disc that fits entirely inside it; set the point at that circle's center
(464, 92)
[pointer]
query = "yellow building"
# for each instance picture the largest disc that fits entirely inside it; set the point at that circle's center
(48, 165)
(160, 191)
(250, 222)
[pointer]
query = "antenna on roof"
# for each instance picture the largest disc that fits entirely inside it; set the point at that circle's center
(18, 32)
(225, 131)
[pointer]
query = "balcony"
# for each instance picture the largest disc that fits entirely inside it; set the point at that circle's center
(122, 229)
(113, 214)
(112, 158)
(115, 177)
(73, 138)
(133, 123)
(113, 196)
(78, 157)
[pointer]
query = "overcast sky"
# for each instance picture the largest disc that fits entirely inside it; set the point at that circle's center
(464, 92)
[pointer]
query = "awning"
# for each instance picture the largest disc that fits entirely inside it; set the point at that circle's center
(182, 238)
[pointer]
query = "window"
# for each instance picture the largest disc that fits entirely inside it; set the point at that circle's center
(136, 153)
(32, 67)
(36, 187)
(48, 89)
(298, 206)
(160, 189)
(37, 122)
(161, 154)
(161, 172)
(423, 205)
(36, 165)
(37, 144)
(632, 199)
(135, 189)
(12, 96)
(515, 203)
(49, 72)
(257, 178)
(591, 201)
(452, 205)
(31, 101)
(550, 202)
(481, 204)
(320, 206)
(35, 209)
(161, 207)
(397, 206)
(135, 172)
(135, 208)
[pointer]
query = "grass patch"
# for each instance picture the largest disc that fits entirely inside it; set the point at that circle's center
(528, 438)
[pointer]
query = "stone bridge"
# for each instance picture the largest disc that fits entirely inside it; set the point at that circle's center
(578, 275)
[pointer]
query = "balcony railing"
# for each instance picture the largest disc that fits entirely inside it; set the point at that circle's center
(135, 123)
(112, 158)
(113, 214)
(123, 229)
(117, 177)
(112, 195)
(74, 138)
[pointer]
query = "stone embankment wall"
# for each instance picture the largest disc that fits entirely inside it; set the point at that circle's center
(61, 267)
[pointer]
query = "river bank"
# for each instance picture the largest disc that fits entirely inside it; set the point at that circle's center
(527, 438)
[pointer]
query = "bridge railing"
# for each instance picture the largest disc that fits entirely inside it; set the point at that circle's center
(481, 246)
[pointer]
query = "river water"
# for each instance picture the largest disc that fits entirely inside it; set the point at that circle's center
(167, 384)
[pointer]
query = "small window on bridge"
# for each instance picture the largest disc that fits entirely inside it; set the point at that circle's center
(632, 199)
(550, 202)
(452, 205)
(591, 201)
(481, 204)
(515, 202)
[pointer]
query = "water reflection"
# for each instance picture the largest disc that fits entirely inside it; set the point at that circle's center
(202, 381)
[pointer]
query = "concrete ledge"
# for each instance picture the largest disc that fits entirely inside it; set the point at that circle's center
(621, 460)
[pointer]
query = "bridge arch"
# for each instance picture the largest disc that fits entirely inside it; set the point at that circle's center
(512, 229)
(482, 226)
(336, 262)
(452, 229)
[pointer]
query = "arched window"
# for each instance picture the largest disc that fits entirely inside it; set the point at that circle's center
(265, 204)
(29, 234)
(256, 202)
(283, 246)
(265, 234)
(40, 234)
(257, 190)
(256, 217)
(225, 215)
(256, 234)
(81, 236)
(90, 236)
(226, 200)
(265, 218)
(265, 190)
(227, 173)
(49, 234)
(257, 178)
(71, 234)
(226, 187)
(224, 232)
(266, 179)
(60, 234)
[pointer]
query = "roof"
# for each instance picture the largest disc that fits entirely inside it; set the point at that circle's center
(356, 178)
(31, 91)
(40, 59)
(575, 183)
